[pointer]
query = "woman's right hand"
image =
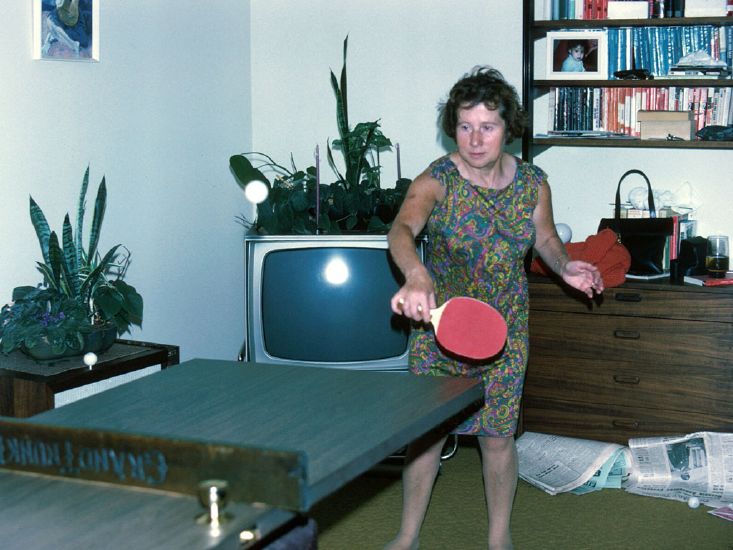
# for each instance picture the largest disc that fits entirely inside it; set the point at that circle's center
(416, 298)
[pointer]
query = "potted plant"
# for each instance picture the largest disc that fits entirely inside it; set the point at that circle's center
(355, 201)
(83, 303)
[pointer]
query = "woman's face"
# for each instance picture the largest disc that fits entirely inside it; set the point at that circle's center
(480, 136)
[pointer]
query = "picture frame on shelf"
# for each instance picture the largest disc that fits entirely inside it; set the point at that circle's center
(66, 30)
(577, 55)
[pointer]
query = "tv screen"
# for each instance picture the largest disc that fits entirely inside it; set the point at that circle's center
(324, 301)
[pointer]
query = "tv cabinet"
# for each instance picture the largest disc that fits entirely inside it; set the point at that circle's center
(645, 359)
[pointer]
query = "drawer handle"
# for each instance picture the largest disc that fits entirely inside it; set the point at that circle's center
(627, 334)
(626, 379)
(627, 297)
(625, 424)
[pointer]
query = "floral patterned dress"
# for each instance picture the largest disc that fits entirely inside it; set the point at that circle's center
(477, 241)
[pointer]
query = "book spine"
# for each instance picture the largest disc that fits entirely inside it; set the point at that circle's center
(675, 238)
(696, 107)
(612, 66)
(603, 122)
(588, 9)
(621, 53)
(710, 106)
(579, 9)
(667, 60)
(638, 103)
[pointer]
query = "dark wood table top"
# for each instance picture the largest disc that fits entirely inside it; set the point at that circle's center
(124, 356)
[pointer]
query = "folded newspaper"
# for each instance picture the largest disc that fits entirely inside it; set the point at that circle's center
(673, 467)
(559, 464)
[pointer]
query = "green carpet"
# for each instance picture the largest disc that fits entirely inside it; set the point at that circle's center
(365, 514)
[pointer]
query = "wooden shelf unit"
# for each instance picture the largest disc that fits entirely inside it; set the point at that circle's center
(533, 88)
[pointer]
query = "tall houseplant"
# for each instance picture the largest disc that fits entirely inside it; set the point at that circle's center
(81, 292)
(355, 201)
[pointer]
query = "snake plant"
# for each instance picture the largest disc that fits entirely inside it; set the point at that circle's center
(81, 288)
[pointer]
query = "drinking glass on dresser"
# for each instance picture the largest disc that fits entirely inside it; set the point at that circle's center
(717, 258)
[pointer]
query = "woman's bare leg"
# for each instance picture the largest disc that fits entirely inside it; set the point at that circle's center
(500, 470)
(418, 477)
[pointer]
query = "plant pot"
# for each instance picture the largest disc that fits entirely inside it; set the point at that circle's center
(98, 340)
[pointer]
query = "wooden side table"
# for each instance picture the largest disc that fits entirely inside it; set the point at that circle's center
(28, 387)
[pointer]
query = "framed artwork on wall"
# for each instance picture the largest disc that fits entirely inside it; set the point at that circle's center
(577, 55)
(66, 30)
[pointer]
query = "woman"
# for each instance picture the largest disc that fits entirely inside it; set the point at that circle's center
(483, 209)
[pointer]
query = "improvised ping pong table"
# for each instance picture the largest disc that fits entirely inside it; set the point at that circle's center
(123, 468)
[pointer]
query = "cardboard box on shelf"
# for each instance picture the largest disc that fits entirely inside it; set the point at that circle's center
(628, 9)
(706, 8)
(660, 124)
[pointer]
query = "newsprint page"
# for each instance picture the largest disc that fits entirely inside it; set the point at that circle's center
(698, 465)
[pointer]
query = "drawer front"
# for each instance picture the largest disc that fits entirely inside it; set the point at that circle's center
(607, 385)
(632, 362)
(659, 301)
(661, 344)
(613, 423)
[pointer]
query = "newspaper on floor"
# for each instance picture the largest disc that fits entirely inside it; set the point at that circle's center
(679, 467)
(697, 465)
(559, 464)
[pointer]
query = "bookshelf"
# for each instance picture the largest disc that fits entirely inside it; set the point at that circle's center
(537, 90)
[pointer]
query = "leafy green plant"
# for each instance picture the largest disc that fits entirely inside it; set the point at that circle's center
(355, 201)
(81, 289)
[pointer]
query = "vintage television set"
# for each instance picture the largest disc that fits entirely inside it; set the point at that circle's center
(323, 301)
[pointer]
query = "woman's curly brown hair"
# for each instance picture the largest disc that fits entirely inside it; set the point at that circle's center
(484, 85)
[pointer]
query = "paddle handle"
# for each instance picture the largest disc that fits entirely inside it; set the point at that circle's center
(436, 314)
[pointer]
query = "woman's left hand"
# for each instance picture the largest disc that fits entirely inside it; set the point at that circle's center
(583, 276)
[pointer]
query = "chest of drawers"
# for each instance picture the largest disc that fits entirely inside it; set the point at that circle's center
(642, 360)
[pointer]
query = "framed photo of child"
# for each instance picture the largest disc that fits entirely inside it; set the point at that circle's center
(577, 55)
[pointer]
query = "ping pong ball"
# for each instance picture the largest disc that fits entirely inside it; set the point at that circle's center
(256, 191)
(90, 359)
(564, 232)
(693, 502)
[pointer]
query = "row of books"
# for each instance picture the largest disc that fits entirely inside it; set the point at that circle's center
(651, 9)
(659, 49)
(615, 109)
(589, 9)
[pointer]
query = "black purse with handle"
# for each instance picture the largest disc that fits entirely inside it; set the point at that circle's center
(646, 239)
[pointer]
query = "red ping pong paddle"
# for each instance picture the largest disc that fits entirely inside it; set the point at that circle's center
(469, 328)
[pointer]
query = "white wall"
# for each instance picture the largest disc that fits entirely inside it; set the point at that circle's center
(159, 116)
(403, 57)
